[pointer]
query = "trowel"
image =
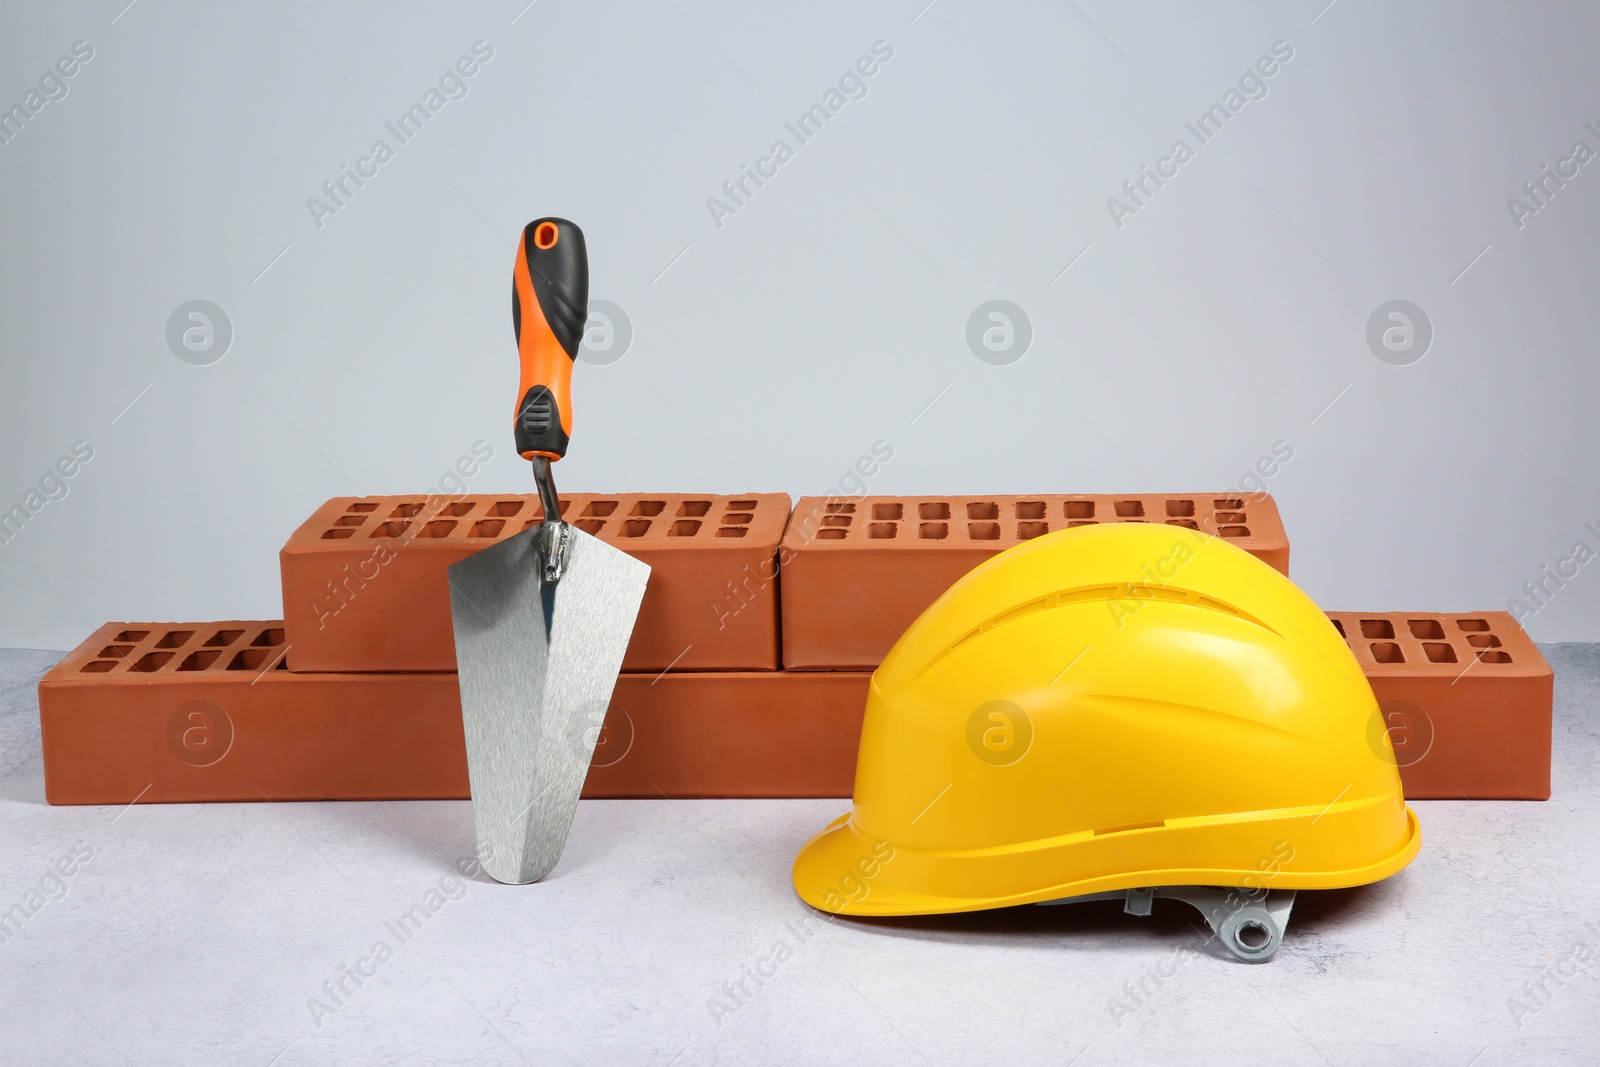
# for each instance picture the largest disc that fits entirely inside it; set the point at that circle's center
(542, 618)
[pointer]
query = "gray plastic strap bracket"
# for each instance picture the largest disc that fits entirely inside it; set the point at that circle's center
(1139, 900)
(1249, 923)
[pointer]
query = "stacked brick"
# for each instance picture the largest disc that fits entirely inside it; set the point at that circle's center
(746, 675)
(856, 573)
(364, 577)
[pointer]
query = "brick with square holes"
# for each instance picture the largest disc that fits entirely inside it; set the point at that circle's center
(857, 572)
(1466, 699)
(162, 712)
(364, 577)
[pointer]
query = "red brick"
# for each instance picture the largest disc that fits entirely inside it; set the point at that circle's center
(1467, 699)
(114, 714)
(364, 586)
(856, 573)
(131, 712)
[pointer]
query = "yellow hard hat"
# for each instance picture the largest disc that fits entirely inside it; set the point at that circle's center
(1119, 710)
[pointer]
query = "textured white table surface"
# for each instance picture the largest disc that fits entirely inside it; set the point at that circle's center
(203, 934)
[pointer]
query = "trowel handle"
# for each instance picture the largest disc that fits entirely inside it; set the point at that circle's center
(549, 304)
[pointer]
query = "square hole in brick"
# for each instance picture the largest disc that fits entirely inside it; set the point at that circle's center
(504, 509)
(337, 534)
(739, 517)
(487, 528)
(271, 637)
(174, 638)
(750, 505)
(935, 509)
(648, 507)
(983, 509)
(132, 635)
(349, 520)
(1127, 509)
(825, 535)
(458, 509)
(1473, 625)
(1439, 652)
(834, 508)
(1233, 531)
(251, 659)
(1029, 530)
(1387, 652)
(1029, 509)
(1080, 509)
(599, 508)
(1231, 503)
(405, 511)
(392, 528)
(1493, 655)
(1083, 522)
(1230, 516)
(1179, 509)
(1475, 640)
(438, 528)
(590, 526)
(1337, 625)
(151, 661)
(199, 661)
(223, 637)
(635, 527)
(1426, 629)
(888, 511)
(933, 531)
(114, 651)
(684, 528)
(740, 531)
(1377, 628)
(880, 531)
(362, 508)
(98, 666)
(983, 531)
(693, 509)
(1187, 524)
(836, 520)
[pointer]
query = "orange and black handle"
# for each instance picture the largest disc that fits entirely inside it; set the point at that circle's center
(549, 305)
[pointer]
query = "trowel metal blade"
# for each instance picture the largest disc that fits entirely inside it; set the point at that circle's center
(536, 665)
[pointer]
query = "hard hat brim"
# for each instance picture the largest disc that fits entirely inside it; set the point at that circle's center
(844, 871)
(840, 871)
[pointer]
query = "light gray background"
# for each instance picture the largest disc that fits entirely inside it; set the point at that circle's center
(831, 311)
